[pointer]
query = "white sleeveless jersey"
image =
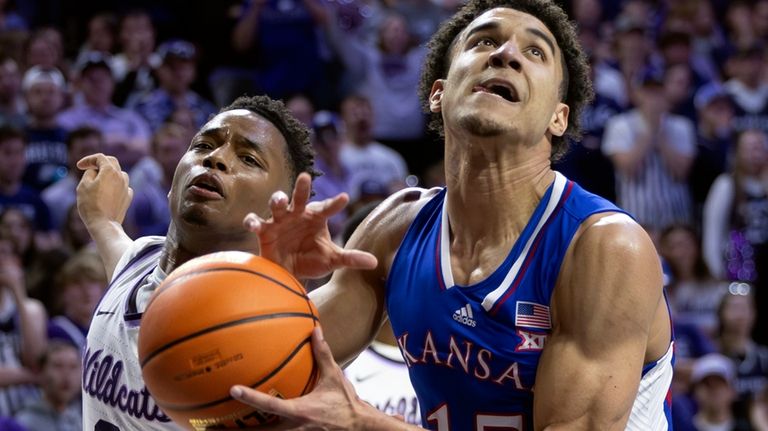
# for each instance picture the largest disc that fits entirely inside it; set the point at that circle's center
(652, 409)
(380, 377)
(114, 395)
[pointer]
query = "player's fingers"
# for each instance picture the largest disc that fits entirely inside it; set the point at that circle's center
(301, 192)
(88, 176)
(253, 223)
(331, 206)
(278, 205)
(322, 353)
(357, 259)
(264, 402)
(97, 161)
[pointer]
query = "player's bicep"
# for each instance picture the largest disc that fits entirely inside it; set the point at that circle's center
(603, 308)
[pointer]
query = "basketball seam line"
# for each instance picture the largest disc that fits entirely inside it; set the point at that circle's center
(254, 386)
(229, 268)
(214, 328)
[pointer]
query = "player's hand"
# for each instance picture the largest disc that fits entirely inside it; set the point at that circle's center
(103, 193)
(332, 405)
(297, 236)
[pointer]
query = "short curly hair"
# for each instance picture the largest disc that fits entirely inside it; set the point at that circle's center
(576, 89)
(301, 155)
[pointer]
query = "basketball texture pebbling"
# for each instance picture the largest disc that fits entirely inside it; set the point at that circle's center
(223, 319)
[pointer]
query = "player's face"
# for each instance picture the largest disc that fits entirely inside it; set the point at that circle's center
(504, 79)
(232, 167)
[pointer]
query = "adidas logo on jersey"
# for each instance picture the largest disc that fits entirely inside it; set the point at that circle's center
(464, 315)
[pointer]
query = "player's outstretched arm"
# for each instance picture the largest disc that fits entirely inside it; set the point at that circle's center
(603, 308)
(332, 405)
(297, 236)
(103, 197)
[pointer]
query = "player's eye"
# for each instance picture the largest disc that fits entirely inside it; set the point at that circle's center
(202, 146)
(537, 52)
(250, 160)
(485, 41)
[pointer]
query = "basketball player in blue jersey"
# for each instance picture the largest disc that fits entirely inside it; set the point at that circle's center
(519, 300)
(234, 164)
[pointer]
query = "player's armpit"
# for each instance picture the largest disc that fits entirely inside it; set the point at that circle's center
(606, 310)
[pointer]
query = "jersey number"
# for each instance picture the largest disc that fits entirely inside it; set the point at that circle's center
(103, 425)
(439, 418)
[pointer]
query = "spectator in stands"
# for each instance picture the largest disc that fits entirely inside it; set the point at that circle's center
(282, 45)
(176, 73)
(135, 63)
(22, 336)
(149, 213)
(694, 294)
(422, 16)
(301, 108)
(59, 408)
(80, 284)
(327, 142)
(45, 48)
(737, 319)
(102, 35)
(75, 236)
(747, 89)
(712, 379)
(652, 152)
(81, 142)
(736, 212)
(585, 162)
(11, 98)
(13, 193)
(387, 74)
(714, 142)
(739, 25)
(632, 50)
(364, 158)
(126, 134)
(46, 151)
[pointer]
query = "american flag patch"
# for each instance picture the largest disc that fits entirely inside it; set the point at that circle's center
(532, 315)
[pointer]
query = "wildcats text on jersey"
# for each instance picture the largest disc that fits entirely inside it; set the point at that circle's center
(103, 380)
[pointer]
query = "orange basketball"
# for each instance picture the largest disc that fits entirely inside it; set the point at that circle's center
(223, 319)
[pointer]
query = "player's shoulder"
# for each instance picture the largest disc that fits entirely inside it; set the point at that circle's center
(386, 225)
(142, 249)
(399, 210)
(613, 230)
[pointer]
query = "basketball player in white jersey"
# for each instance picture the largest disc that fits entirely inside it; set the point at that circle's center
(506, 81)
(242, 156)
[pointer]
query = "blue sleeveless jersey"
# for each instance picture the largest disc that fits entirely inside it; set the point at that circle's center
(472, 351)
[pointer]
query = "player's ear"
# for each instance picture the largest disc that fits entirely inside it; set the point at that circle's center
(436, 95)
(559, 122)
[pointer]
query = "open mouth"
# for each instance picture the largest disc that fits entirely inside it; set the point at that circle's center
(207, 185)
(501, 89)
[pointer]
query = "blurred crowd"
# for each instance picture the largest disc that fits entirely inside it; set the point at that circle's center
(677, 135)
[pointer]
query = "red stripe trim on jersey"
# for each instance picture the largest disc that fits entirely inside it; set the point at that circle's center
(438, 261)
(532, 252)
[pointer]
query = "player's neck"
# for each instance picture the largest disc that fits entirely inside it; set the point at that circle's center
(179, 249)
(491, 195)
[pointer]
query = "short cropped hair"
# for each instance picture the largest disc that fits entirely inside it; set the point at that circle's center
(301, 155)
(576, 89)
(9, 132)
(82, 133)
